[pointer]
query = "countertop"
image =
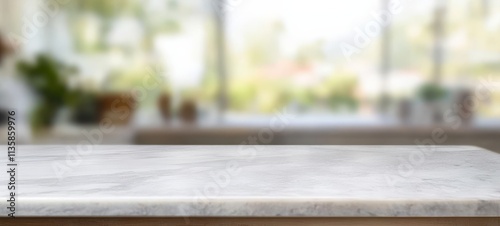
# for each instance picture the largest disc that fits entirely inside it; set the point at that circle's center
(481, 136)
(255, 181)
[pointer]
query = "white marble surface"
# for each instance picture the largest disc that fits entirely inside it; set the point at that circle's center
(245, 181)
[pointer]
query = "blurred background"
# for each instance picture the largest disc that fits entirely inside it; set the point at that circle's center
(221, 71)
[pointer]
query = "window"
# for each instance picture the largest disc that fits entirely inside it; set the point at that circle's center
(285, 54)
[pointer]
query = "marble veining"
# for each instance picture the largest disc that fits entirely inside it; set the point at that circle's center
(255, 181)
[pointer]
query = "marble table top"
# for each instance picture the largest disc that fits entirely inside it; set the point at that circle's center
(255, 181)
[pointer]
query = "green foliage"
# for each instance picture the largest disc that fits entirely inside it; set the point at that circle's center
(43, 116)
(337, 92)
(48, 79)
(432, 92)
(341, 92)
(109, 8)
(242, 92)
(125, 79)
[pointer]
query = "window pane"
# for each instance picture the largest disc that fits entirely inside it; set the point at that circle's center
(306, 55)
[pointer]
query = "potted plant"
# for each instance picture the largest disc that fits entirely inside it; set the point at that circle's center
(188, 109)
(432, 95)
(48, 78)
(116, 101)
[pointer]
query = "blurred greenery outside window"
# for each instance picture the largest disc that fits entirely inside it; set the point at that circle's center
(130, 39)
(473, 50)
(271, 64)
(274, 66)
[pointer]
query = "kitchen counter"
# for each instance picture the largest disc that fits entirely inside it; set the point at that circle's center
(481, 136)
(255, 181)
